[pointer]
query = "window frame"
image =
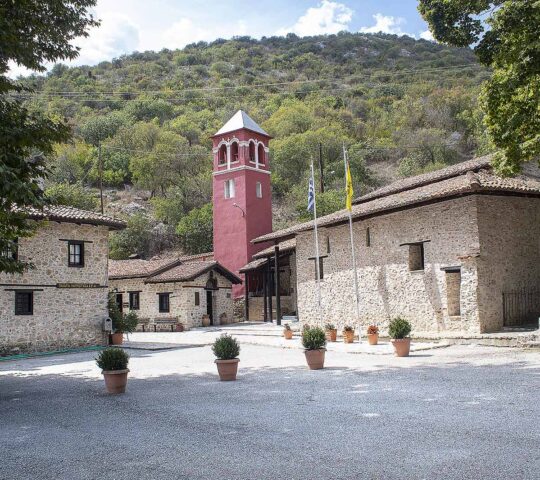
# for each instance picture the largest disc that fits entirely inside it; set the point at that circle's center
(132, 304)
(422, 256)
(12, 251)
(161, 307)
(197, 299)
(80, 244)
(30, 306)
(228, 191)
(258, 190)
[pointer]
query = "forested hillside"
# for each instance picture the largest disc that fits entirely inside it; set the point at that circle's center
(401, 106)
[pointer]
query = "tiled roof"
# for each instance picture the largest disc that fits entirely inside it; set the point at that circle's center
(197, 256)
(285, 246)
(426, 178)
(465, 182)
(61, 213)
(191, 270)
(139, 268)
(253, 265)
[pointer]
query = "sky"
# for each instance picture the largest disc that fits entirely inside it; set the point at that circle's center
(139, 25)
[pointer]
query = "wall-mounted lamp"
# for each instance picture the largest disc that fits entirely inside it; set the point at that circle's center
(241, 209)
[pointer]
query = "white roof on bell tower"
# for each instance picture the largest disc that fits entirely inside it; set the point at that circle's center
(238, 121)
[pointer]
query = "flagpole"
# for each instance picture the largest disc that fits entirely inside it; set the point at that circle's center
(317, 261)
(353, 254)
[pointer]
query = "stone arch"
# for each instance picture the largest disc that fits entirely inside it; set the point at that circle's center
(222, 154)
(252, 151)
(261, 153)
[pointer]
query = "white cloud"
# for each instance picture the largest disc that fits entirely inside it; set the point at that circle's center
(427, 35)
(386, 24)
(329, 17)
(184, 32)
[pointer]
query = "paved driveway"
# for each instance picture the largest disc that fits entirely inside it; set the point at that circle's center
(458, 412)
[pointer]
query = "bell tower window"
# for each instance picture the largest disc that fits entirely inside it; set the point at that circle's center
(252, 152)
(234, 152)
(261, 154)
(229, 188)
(222, 155)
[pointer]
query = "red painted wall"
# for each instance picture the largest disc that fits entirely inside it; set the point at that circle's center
(233, 231)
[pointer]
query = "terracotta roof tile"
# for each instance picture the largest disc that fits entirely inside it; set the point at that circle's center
(253, 265)
(285, 246)
(62, 213)
(191, 270)
(139, 268)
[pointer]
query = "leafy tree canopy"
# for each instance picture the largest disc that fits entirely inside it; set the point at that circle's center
(505, 37)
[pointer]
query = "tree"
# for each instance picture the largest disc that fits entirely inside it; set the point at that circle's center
(196, 230)
(505, 37)
(31, 33)
(74, 195)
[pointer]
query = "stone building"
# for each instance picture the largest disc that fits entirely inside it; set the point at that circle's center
(453, 250)
(62, 301)
(169, 291)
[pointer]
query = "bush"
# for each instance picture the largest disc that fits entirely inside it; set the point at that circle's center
(72, 195)
(121, 322)
(372, 330)
(329, 326)
(348, 328)
(112, 359)
(313, 338)
(287, 326)
(226, 347)
(399, 328)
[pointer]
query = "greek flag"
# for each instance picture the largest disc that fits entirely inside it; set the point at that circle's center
(311, 195)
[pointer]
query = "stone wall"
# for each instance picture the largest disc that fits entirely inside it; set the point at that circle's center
(509, 252)
(182, 299)
(387, 288)
(64, 315)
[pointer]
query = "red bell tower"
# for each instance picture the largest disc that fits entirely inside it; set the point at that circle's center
(242, 197)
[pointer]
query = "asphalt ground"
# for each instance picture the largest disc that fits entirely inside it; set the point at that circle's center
(461, 412)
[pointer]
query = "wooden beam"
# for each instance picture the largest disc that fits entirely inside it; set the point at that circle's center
(246, 297)
(277, 284)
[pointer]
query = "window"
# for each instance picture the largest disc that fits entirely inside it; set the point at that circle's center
(76, 254)
(164, 305)
(261, 153)
(328, 245)
(368, 237)
(229, 188)
(252, 151)
(234, 152)
(197, 299)
(222, 155)
(321, 267)
(416, 257)
(24, 303)
(134, 301)
(258, 189)
(11, 250)
(453, 292)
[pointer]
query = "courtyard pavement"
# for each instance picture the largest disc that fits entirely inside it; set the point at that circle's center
(461, 412)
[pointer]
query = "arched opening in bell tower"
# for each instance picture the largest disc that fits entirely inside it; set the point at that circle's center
(222, 155)
(261, 153)
(234, 151)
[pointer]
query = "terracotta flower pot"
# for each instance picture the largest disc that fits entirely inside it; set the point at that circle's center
(402, 346)
(115, 380)
(288, 334)
(117, 338)
(206, 321)
(373, 338)
(331, 335)
(179, 327)
(348, 337)
(315, 358)
(227, 369)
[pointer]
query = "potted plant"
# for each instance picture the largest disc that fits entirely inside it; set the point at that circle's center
(287, 332)
(113, 363)
(348, 334)
(124, 323)
(179, 327)
(226, 349)
(398, 331)
(331, 332)
(314, 341)
(205, 320)
(373, 334)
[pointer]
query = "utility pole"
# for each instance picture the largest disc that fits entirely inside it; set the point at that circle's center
(100, 167)
(321, 168)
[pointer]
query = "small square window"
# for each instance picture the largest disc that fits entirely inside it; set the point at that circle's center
(24, 303)
(416, 257)
(134, 301)
(321, 267)
(258, 189)
(164, 305)
(76, 254)
(368, 237)
(197, 299)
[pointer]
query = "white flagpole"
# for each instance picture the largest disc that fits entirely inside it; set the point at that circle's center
(353, 254)
(317, 264)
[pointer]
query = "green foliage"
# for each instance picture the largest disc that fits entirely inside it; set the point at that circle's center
(505, 37)
(135, 239)
(195, 230)
(226, 347)
(313, 338)
(348, 328)
(329, 326)
(399, 328)
(112, 359)
(73, 195)
(121, 322)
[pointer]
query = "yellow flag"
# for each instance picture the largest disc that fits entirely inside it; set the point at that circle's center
(349, 188)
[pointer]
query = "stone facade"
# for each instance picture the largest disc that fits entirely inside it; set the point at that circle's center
(475, 248)
(183, 306)
(70, 303)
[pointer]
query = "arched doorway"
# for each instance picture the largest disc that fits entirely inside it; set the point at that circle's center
(210, 288)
